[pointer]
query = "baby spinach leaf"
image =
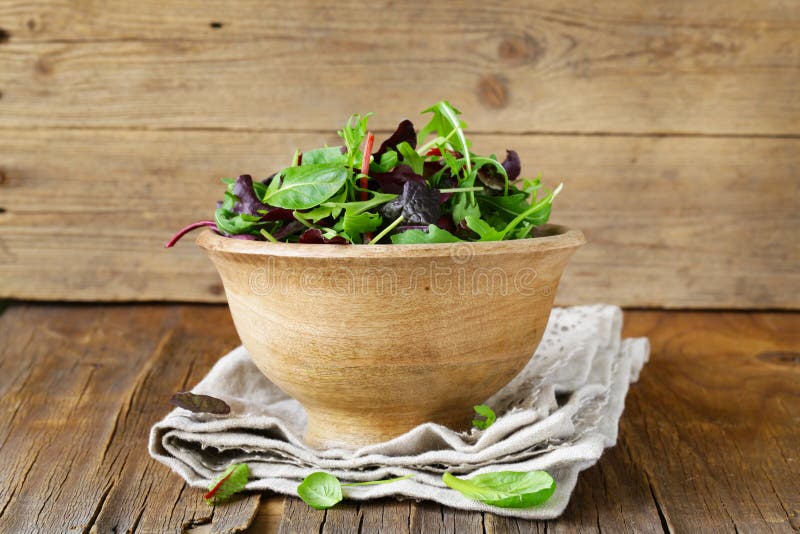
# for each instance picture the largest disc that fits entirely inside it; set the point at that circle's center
(386, 162)
(487, 413)
(332, 154)
(320, 490)
(199, 403)
(232, 480)
(505, 489)
(434, 234)
(307, 186)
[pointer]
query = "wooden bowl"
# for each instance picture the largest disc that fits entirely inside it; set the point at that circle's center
(374, 340)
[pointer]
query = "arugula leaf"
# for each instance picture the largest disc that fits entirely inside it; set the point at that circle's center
(307, 186)
(505, 489)
(322, 490)
(483, 229)
(232, 480)
(353, 133)
(445, 123)
(463, 207)
(199, 403)
(487, 413)
(434, 234)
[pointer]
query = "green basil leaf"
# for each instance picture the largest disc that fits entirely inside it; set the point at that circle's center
(307, 186)
(486, 412)
(324, 155)
(416, 237)
(505, 489)
(232, 480)
(320, 490)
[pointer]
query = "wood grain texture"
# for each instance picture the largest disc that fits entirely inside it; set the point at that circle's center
(674, 222)
(708, 441)
(584, 66)
(282, 299)
(81, 386)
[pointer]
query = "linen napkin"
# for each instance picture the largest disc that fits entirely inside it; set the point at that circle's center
(557, 415)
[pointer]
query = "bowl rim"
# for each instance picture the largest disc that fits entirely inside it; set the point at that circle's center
(563, 237)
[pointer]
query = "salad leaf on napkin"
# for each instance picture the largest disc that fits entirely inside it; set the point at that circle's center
(322, 490)
(232, 480)
(505, 489)
(423, 186)
(200, 403)
(487, 413)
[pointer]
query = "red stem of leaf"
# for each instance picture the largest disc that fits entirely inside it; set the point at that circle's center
(216, 487)
(365, 164)
(365, 171)
(183, 231)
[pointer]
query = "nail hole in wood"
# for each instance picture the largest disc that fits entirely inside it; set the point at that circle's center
(4, 36)
(216, 25)
(2, 210)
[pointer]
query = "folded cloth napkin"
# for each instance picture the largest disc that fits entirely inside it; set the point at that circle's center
(557, 415)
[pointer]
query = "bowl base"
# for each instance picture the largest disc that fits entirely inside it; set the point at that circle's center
(328, 430)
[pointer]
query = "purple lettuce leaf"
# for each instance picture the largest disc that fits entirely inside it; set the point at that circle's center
(249, 203)
(493, 179)
(199, 403)
(394, 180)
(404, 132)
(314, 236)
(418, 204)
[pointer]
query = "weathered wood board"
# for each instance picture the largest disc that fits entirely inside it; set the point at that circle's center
(671, 221)
(548, 66)
(676, 127)
(707, 443)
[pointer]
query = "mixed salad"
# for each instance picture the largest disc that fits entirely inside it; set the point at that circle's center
(423, 186)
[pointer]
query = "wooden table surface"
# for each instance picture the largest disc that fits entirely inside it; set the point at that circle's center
(708, 441)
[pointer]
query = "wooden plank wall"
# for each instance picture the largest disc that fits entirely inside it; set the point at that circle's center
(674, 124)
